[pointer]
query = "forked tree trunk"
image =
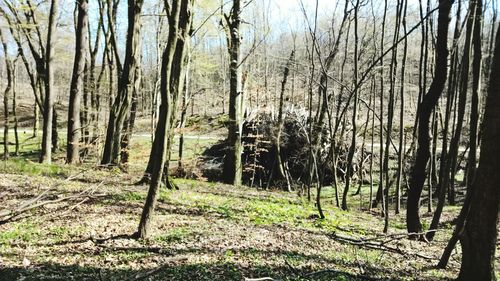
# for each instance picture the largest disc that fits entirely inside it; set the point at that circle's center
(121, 104)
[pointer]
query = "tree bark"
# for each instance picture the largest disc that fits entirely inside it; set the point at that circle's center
(7, 93)
(418, 173)
(77, 87)
(48, 112)
(479, 237)
(171, 86)
(121, 104)
(352, 147)
(476, 10)
(232, 168)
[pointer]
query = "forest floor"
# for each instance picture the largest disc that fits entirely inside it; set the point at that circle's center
(203, 231)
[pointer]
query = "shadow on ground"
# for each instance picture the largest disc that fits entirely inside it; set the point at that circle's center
(195, 272)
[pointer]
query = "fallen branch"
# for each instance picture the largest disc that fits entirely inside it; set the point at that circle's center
(380, 245)
(31, 205)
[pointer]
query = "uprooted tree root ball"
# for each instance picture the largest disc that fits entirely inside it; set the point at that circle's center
(260, 162)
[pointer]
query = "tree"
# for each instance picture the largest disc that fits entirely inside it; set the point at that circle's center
(76, 88)
(34, 73)
(352, 147)
(476, 9)
(172, 75)
(48, 109)
(418, 174)
(8, 90)
(121, 105)
(479, 237)
(232, 162)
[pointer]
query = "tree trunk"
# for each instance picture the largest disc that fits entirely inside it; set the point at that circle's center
(7, 92)
(36, 121)
(77, 87)
(476, 10)
(402, 117)
(479, 237)
(418, 173)
(352, 147)
(14, 106)
(171, 86)
(232, 168)
(48, 111)
(184, 106)
(379, 196)
(281, 121)
(129, 125)
(121, 104)
(450, 167)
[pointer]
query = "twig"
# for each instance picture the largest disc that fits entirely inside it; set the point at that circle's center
(74, 206)
(10, 215)
(378, 246)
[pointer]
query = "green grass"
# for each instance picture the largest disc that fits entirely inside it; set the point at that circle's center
(23, 166)
(174, 235)
(131, 196)
(20, 232)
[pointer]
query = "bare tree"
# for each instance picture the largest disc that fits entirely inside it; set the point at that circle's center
(232, 162)
(48, 112)
(418, 174)
(479, 237)
(121, 104)
(7, 93)
(172, 75)
(77, 87)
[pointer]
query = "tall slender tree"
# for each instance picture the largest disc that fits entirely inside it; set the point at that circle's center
(77, 87)
(48, 112)
(353, 146)
(232, 169)
(122, 102)
(476, 9)
(172, 83)
(6, 95)
(418, 173)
